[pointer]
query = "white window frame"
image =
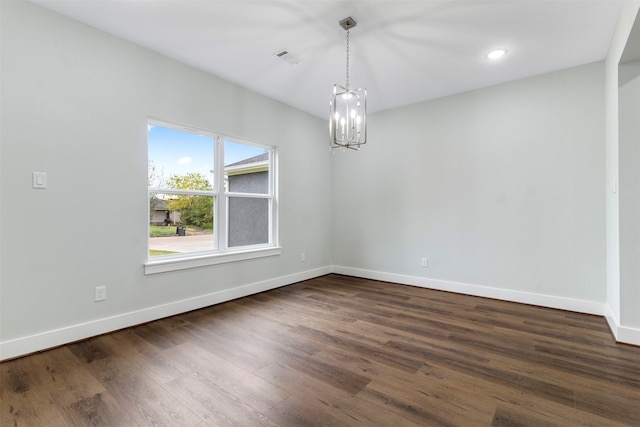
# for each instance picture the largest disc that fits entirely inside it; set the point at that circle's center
(221, 253)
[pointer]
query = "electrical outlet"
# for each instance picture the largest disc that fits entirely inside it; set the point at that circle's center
(424, 262)
(39, 179)
(100, 293)
(303, 257)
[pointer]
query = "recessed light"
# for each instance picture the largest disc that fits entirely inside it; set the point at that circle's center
(496, 53)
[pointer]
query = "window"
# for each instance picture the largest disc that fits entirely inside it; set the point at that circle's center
(211, 198)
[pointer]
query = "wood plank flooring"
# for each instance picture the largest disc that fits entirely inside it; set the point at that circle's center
(336, 351)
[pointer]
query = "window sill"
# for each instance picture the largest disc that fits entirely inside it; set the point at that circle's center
(173, 264)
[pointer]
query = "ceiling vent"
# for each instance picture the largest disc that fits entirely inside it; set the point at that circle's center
(287, 56)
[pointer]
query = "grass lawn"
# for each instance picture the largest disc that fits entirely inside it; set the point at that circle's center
(162, 231)
(154, 252)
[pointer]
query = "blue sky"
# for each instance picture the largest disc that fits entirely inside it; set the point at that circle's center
(179, 152)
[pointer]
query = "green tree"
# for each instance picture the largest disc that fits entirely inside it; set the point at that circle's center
(199, 212)
(194, 210)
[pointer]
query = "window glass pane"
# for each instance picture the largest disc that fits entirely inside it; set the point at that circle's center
(180, 223)
(180, 159)
(248, 221)
(246, 168)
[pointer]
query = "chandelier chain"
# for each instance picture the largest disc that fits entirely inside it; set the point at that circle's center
(347, 59)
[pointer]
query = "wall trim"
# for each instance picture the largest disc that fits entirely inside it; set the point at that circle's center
(622, 334)
(550, 301)
(56, 337)
(612, 320)
(628, 335)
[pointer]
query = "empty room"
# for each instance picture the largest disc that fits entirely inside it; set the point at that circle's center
(301, 213)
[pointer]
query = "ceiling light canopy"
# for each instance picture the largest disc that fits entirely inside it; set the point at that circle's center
(496, 53)
(348, 109)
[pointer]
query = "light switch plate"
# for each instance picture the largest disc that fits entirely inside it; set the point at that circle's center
(39, 180)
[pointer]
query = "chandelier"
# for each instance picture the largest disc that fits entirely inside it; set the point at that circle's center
(348, 109)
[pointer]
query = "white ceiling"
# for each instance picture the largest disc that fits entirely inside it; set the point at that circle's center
(403, 52)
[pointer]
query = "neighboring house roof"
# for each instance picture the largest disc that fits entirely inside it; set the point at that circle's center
(160, 205)
(254, 159)
(259, 163)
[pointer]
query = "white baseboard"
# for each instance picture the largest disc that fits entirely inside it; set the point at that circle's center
(622, 334)
(581, 306)
(612, 320)
(56, 337)
(628, 335)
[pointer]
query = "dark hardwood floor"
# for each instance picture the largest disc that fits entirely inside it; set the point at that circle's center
(336, 351)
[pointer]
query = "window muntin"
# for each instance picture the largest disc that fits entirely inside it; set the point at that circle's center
(207, 219)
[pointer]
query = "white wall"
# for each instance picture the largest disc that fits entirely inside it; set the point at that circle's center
(501, 188)
(623, 294)
(629, 149)
(75, 103)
